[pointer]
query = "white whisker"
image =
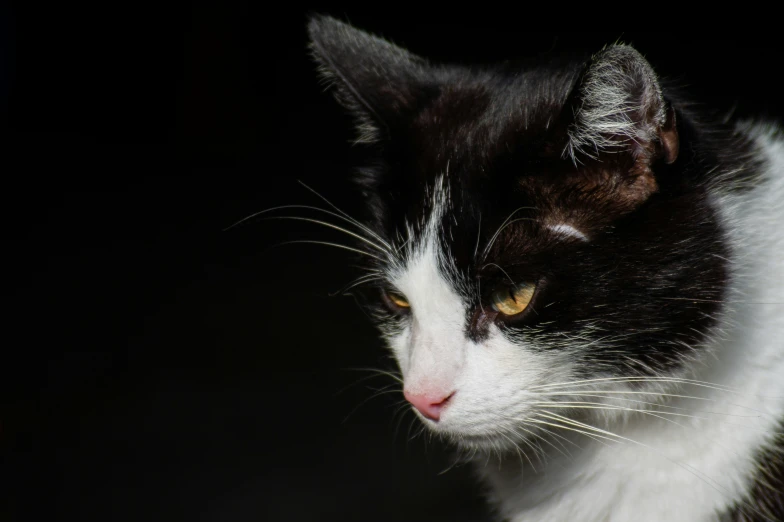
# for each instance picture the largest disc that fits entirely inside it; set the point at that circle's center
(503, 226)
(378, 392)
(673, 380)
(696, 472)
(327, 243)
(344, 214)
(335, 227)
(358, 282)
(592, 436)
(345, 218)
(669, 395)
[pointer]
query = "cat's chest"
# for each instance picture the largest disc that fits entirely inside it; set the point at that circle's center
(691, 472)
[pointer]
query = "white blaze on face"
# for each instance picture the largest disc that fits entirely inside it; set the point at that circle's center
(433, 352)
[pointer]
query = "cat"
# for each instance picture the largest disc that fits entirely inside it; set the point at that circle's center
(580, 277)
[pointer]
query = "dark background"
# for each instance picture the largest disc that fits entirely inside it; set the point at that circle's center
(156, 368)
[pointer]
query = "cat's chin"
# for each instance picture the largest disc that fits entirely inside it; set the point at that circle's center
(494, 443)
(474, 440)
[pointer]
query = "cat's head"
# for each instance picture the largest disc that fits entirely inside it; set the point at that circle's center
(525, 229)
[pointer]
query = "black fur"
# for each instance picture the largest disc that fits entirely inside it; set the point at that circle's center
(767, 492)
(654, 267)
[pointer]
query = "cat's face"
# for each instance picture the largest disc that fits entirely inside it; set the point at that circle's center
(525, 230)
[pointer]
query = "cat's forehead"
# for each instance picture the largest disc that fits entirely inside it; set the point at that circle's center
(487, 209)
(498, 194)
(492, 150)
(480, 119)
(470, 234)
(484, 149)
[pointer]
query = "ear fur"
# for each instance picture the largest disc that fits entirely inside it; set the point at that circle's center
(618, 107)
(378, 82)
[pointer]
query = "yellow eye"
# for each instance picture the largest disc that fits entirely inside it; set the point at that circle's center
(398, 299)
(512, 300)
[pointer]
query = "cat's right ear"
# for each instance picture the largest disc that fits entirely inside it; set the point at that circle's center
(378, 82)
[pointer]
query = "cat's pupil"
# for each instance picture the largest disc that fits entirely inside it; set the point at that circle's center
(511, 300)
(398, 300)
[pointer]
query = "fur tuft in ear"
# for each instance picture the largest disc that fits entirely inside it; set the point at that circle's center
(375, 80)
(619, 107)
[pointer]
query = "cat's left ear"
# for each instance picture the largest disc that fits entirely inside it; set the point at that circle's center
(617, 108)
(378, 82)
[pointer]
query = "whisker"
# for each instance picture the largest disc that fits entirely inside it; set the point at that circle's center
(594, 393)
(582, 405)
(676, 380)
(345, 218)
(379, 392)
(357, 282)
(400, 412)
(589, 435)
(521, 453)
(696, 472)
(538, 437)
(454, 463)
(379, 371)
(355, 383)
(541, 455)
(478, 235)
(501, 269)
(654, 414)
(335, 227)
(503, 225)
(403, 244)
(613, 395)
(616, 392)
(559, 442)
(411, 424)
(533, 434)
(344, 214)
(715, 301)
(327, 243)
(418, 433)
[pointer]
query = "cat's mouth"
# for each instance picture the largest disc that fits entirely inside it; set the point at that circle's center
(490, 441)
(470, 435)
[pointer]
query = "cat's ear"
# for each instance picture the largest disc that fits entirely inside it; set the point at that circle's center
(378, 82)
(617, 107)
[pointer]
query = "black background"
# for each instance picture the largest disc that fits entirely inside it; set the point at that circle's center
(156, 368)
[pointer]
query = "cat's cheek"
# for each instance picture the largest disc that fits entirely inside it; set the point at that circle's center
(495, 388)
(399, 343)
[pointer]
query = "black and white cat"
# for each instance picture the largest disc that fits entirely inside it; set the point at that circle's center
(580, 279)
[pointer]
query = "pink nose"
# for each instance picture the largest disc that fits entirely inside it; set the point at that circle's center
(428, 404)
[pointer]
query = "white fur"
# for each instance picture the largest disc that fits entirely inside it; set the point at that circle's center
(568, 230)
(435, 355)
(671, 468)
(604, 120)
(691, 472)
